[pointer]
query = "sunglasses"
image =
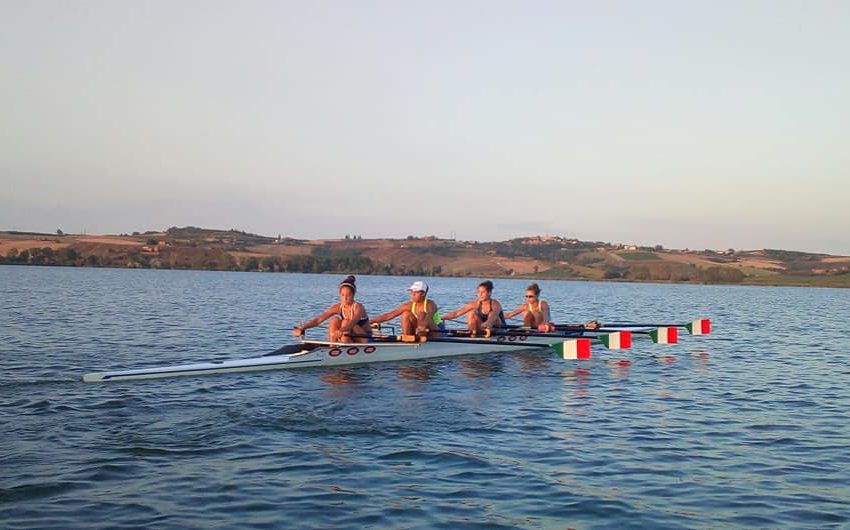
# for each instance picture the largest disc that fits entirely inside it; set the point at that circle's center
(531, 296)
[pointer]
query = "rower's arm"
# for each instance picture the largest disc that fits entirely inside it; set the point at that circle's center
(389, 315)
(313, 322)
(515, 312)
(458, 312)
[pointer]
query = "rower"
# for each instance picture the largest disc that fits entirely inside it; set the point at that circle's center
(420, 316)
(347, 317)
(535, 311)
(485, 312)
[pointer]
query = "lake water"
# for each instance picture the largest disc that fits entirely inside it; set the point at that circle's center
(747, 427)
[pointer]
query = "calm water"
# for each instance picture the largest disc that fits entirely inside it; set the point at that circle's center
(747, 427)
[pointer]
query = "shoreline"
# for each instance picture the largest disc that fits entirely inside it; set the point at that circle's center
(537, 258)
(493, 277)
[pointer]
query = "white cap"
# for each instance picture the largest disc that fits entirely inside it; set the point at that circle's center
(418, 286)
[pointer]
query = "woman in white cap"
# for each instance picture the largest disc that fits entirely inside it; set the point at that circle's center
(347, 317)
(418, 316)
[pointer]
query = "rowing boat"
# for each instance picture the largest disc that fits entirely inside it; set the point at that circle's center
(311, 353)
(567, 344)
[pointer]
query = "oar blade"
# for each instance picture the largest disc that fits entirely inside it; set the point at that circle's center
(574, 349)
(665, 335)
(700, 326)
(618, 340)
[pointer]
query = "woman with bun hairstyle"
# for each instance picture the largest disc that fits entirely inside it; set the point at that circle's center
(485, 312)
(347, 317)
(535, 312)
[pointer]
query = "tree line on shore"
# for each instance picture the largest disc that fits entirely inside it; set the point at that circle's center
(213, 259)
(322, 261)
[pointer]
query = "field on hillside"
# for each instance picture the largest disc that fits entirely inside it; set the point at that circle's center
(534, 257)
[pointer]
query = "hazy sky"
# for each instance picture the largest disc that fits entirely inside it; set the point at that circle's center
(688, 124)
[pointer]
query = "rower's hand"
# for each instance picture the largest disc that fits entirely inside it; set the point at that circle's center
(376, 326)
(593, 324)
(298, 332)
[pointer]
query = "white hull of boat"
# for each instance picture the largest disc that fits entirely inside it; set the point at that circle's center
(320, 353)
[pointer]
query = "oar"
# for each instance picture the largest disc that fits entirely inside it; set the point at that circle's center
(501, 330)
(616, 340)
(663, 335)
(660, 335)
(558, 327)
(701, 326)
(577, 348)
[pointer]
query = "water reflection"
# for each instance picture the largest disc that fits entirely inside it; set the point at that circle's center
(417, 374)
(619, 368)
(701, 357)
(578, 379)
(342, 383)
(534, 362)
(481, 368)
(338, 377)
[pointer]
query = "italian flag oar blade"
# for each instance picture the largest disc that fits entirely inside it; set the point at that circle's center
(699, 327)
(573, 349)
(618, 340)
(665, 335)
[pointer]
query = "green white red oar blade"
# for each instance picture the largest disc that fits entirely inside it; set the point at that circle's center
(665, 335)
(618, 340)
(699, 327)
(573, 349)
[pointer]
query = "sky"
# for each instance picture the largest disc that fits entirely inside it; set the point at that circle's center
(715, 124)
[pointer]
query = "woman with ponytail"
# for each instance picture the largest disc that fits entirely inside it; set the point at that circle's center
(485, 312)
(535, 311)
(347, 317)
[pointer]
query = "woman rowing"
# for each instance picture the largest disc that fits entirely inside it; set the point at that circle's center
(419, 316)
(535, 312)
(348, 319)
(484, 312)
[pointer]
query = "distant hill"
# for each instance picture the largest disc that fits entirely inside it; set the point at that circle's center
(544, 257)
